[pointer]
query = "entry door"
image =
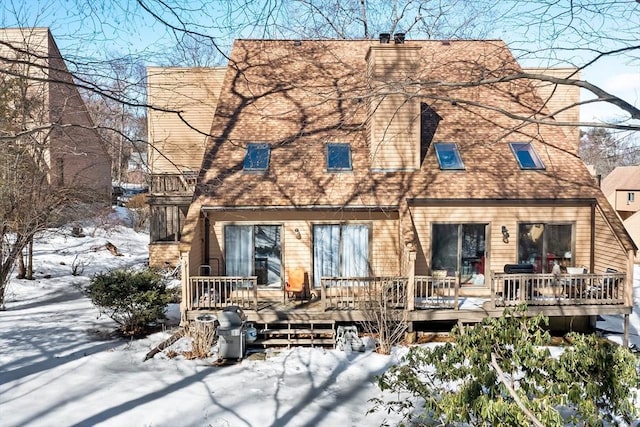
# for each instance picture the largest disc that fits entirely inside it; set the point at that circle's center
(460, 250)
(340, 251)
(254, 250)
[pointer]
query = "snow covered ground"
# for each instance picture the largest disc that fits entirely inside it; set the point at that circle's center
(59, 367)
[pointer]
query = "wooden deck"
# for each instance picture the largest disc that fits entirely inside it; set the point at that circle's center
(426, 298)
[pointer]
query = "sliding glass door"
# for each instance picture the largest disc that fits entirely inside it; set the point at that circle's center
(254, 250)
(340, 251)
(460, 250)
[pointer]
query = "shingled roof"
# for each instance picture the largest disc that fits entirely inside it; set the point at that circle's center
(300, 95)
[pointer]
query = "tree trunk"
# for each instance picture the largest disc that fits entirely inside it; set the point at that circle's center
(22, 272)
(30, 260)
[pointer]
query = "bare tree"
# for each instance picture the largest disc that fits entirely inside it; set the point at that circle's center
(605, 150)
(121, 125)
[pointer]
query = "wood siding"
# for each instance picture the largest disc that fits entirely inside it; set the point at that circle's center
(498, 252)
(384, 247)
(621, 201)
(178, 140)
(558, 97)
(609, 252)
(163, 254)
(393, 119)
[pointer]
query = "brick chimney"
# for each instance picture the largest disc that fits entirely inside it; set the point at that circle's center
(393, 109)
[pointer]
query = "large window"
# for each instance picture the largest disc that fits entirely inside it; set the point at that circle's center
(253, 250)
(340, 251)
(167, 222)
(460, 250)
(544, 245)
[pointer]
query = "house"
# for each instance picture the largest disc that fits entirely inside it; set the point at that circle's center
(339, 173)
(184, 101)
(622, 189)
(75, 156)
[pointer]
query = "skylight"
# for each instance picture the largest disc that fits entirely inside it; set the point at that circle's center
(526, 155)
(338, 157)
(448, 156)
(257, 157)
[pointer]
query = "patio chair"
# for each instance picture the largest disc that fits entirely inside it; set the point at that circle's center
(297, 285)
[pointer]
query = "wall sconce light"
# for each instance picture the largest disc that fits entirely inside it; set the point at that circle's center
(505, 234)
(298, 235)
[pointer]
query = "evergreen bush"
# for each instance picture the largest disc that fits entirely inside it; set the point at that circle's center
(501, 373)
(133, 299)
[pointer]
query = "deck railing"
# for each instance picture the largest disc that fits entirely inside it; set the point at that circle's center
(218, 292)
(173, 182)
(431, 293)
(563, 289)
(360, 293)
(436, 292)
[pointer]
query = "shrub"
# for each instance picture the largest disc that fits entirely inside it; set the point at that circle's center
(501, 372)
(133, 299)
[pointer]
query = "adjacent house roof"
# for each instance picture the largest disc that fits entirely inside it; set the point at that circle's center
(621, 178)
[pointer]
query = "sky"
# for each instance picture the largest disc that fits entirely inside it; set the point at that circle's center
(97, 29)
(59, 365)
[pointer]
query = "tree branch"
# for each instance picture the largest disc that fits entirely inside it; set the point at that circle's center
(513, 393)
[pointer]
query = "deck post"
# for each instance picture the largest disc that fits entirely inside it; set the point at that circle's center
(323, 295)
(456, 294)
(411, 283)
(492, 290)
(625, 339)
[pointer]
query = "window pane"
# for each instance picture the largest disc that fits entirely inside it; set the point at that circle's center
(238, 248)
(448, 156)
(355, 251)
(530, 244)
(267, 254)
(338, 157)
(445, 248)
(326, 251)
(473, 253)
(558, 245)
(257, 157)
(526, 156)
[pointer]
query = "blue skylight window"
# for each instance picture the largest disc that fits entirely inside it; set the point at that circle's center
(339, 157)
(448, 156)
(526, 155)
(257, 157)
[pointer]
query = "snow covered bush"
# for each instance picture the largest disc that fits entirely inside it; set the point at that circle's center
(502, 372)
(133, 299)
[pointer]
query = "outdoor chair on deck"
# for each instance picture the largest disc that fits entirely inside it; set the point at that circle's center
(297, 285)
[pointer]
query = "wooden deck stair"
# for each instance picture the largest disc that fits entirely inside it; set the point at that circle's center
(287, 333)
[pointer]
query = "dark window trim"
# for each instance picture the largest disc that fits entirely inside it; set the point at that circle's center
(340, 168)
(256, 146)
